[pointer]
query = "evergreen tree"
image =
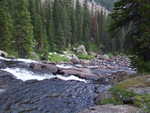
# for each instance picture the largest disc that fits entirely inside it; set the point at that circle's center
(86, 24)
(79, 22)
(6, 28)
(133, 15)
(23, 29)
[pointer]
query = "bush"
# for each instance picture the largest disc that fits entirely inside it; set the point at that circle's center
(109, 101)
(55, 57)
(86, 57)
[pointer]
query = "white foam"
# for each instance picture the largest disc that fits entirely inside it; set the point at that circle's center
(25, 75)
(70, 78)
(6, 59)
(27, 60)
(21, 60)
(64, 66)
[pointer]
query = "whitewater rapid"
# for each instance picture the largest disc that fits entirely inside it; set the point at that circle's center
(25, 75)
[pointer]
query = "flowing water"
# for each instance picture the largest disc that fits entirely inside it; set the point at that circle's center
(23, 90)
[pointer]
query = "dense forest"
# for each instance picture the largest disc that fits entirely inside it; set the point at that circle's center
(35, 26)
(30, 28)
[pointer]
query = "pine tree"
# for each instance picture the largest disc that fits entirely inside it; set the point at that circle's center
(133, 15)
(23, 29)
(79, 22)
(67, 21)
(6, 28)
(59, 35)
(86, 23)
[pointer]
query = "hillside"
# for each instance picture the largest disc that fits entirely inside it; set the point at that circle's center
(106, 3)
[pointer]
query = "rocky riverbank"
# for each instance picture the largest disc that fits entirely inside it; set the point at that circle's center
(28, 86)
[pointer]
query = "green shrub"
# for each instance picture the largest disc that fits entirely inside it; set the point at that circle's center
(109, 101)
(121, 94)
(86, 57)
(55, 57)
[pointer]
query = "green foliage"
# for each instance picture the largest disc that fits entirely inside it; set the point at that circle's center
(23, 29)
(133, 17)
(6, 28)
(93, 47)
(109, 101)
(29, 26)
(86, 57)
(55, 57)
(121, 94)
(143, 67)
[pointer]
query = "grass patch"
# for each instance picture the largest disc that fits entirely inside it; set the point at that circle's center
(86, 57)
(109, 101)
(55, 57)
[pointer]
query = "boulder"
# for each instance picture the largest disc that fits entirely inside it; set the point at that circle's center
(93, 54)
(81, 72)
(140, 90)
(75, 59)
(102, 56)
(3, 53)
(81, 50)
(85, 62)
(102, 96)
(112, 109)
(139, 85)
(44, 67)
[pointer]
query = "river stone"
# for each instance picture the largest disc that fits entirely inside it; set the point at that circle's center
(44, 67)
(111, 109)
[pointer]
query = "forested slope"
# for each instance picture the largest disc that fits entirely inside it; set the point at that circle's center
(31, 26)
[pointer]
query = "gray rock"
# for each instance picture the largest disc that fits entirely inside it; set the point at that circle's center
(102, 57)
(81, 50)
(44, 67)
(75, 60)
(140, 90)
(103, 95)
(112, 109)
(3, 53)
(48, 96)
